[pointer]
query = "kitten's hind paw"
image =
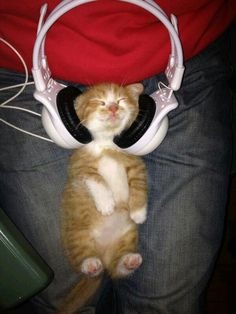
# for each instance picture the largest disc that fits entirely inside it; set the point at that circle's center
(92, 266)
(128, 263)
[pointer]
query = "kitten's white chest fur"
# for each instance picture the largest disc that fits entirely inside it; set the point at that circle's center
(115, 175)
(115, 189)
(106, 197)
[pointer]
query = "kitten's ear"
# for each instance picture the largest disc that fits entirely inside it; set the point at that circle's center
(135, 89)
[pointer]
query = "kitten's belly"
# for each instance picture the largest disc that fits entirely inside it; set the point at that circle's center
(112, 227)
(115, 175)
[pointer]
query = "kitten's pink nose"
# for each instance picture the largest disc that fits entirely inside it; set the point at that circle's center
(113, 107)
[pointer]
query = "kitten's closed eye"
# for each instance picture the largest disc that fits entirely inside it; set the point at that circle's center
(118, 101)
(102, 103)
(121, 99)
(95, 102)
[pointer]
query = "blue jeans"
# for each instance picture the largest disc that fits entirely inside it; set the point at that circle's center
(188, 182)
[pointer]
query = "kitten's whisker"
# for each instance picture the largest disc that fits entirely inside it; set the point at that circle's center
(88, 83)
(124, 80)
(81, 122)
(122, 83)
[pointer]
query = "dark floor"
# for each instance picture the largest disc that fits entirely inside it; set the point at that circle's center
(221, 296)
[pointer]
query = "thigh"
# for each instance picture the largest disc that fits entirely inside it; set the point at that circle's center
(188, 181)
(32, 176)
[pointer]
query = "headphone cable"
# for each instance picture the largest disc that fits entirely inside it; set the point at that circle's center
(23, 86)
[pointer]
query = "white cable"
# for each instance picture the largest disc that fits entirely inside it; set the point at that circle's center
(15, 86)
(23, 85)
(29, 133)
(26, 72)
(22, 109)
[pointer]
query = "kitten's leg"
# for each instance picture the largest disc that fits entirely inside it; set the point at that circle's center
(80, 248)
(123, 257)
(102, 196)
(78, 217)
(84, 251)
(137, 180)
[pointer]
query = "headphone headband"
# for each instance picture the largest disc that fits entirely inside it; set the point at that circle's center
(42, 74)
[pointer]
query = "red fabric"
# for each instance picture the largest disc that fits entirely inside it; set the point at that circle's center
(109, 40)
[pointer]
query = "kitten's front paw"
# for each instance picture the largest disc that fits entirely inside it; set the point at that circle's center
(139, 216)
(106, 207)
(102, 196)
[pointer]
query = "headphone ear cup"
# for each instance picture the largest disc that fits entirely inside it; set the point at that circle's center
(147, 109)
(66, 109)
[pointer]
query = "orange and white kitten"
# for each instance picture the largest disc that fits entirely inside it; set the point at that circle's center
(106, 193)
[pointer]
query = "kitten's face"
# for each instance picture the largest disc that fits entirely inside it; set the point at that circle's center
(108, 109)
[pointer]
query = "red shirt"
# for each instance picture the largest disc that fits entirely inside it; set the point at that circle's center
(109, 40)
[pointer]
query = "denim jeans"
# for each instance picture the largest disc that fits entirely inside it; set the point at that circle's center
(188, 181)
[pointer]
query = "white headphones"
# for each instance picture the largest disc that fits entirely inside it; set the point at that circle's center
(58, 115)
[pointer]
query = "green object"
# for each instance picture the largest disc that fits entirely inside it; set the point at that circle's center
(23, 273)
